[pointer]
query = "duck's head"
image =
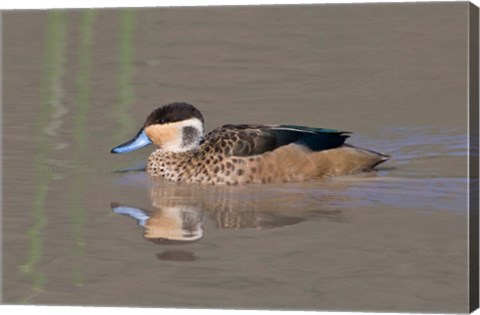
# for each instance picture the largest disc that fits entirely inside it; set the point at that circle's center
(176, 127)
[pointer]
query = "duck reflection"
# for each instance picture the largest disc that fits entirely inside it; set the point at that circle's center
(178, 210)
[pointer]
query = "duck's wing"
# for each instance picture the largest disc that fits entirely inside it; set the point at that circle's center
(248, 140)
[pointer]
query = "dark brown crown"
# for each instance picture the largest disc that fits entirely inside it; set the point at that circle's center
(173, 112)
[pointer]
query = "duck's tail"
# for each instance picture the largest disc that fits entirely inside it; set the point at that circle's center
(346, 160)
(372, 158)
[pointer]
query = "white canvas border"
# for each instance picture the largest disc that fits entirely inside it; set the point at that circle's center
(32, 4)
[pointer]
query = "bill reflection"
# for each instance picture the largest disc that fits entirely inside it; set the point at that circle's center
(169, 225)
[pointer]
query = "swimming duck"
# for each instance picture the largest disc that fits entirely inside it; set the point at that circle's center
(244, 154)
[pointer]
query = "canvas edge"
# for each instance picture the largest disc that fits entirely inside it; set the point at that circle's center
(473, 122)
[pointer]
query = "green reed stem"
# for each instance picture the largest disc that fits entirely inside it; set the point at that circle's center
(77, 211)
(50, 89)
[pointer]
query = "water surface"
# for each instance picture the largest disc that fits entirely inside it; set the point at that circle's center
(77, 83)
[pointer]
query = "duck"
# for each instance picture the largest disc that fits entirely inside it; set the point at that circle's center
(244, 153)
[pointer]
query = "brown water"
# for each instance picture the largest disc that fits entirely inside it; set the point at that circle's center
(78, 83)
